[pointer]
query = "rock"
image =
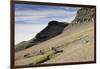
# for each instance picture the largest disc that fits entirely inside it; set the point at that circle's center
(84, 15)
(54, 28)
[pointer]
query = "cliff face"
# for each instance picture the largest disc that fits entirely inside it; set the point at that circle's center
(84, 15)
(54, 28)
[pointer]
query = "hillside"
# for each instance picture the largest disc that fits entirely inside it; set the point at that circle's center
(74, 44)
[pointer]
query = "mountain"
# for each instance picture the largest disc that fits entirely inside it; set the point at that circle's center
(75, 43)
(53, 29)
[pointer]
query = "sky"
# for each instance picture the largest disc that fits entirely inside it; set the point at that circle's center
(26, 13)
(31, 19)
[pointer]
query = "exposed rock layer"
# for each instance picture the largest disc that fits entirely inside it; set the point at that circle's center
(84, 15)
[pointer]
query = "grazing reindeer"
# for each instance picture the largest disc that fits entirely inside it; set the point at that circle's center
(56, 51)
(41, 52)
(27, 55)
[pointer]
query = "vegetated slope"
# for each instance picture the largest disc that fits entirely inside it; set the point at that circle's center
(74, 44)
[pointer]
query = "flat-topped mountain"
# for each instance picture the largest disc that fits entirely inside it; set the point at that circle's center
(54, 28)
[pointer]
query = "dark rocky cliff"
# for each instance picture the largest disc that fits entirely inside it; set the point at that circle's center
(54, 28)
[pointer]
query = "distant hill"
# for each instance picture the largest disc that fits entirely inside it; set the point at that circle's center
(53, 29)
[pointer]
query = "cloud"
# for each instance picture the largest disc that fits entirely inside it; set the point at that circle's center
(38, 16)
(43, 14)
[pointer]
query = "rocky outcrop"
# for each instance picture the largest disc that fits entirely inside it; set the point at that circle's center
(84, 15)
(54, 28)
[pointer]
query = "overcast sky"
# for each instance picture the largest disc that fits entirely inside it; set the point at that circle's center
(31, 19)
(26, 13)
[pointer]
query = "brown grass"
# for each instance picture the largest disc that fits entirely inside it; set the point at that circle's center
(77, 44)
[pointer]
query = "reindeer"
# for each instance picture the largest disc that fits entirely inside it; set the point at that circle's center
(41, 52)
